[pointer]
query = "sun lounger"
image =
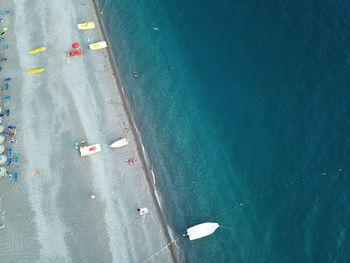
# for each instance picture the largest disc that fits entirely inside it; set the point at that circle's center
(11, 127)
(9, 161)
(15, 176)
(9, 151)
(6, 98)
(5, 11)
(7, 112)
(16, 159)
(3, 59)
(0, 69)
(7, 79)
(7, 86)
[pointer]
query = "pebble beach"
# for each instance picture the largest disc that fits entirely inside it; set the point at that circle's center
(47, 215)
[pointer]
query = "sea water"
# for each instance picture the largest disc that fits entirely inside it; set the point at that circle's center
(243, 108)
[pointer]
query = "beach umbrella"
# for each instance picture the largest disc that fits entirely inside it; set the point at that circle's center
(2, 138)
(1, 128)
(2, 171)
(76, 45)
(2, 148)
(3, 159)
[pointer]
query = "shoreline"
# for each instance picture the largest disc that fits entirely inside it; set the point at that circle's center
(142, 153)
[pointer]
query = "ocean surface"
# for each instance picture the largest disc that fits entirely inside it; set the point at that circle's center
(244, 109)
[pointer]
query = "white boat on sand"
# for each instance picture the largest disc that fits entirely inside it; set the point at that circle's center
(86, 26)
(201, 230)
(87, 150)
(119, 143)
(98, 45)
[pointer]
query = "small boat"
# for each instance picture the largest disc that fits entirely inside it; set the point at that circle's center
(86, 26)
(119, 143)
(201, 230)
(37, 50)
(34, 71)
(75, 53)
(98, 45)
(87, 150)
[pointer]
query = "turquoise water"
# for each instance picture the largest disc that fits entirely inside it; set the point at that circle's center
(255, 111)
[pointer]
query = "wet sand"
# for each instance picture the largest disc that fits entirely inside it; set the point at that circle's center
(49, 217)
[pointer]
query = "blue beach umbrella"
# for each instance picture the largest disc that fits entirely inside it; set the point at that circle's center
(3, 159)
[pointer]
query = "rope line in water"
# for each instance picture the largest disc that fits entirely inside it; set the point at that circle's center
(258, 196)
(276, 189)
(176, 237)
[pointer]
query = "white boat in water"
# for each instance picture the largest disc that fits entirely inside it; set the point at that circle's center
(87, 150)
(119, 143)
(201, 230)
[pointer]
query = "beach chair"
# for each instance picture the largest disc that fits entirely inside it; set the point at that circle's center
(3, 59)
(9, 161)
(16, 159)
(7, 79)
(6, 98)
(9, 151)
(11, 127)
(15, 176)
(7, 112)
(7, 86)
(5, 11)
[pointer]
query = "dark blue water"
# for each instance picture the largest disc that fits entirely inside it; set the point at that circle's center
(243, 107)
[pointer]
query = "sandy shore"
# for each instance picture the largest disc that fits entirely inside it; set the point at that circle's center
(49, 217)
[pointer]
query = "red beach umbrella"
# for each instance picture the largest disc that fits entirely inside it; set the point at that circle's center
(75, 45)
